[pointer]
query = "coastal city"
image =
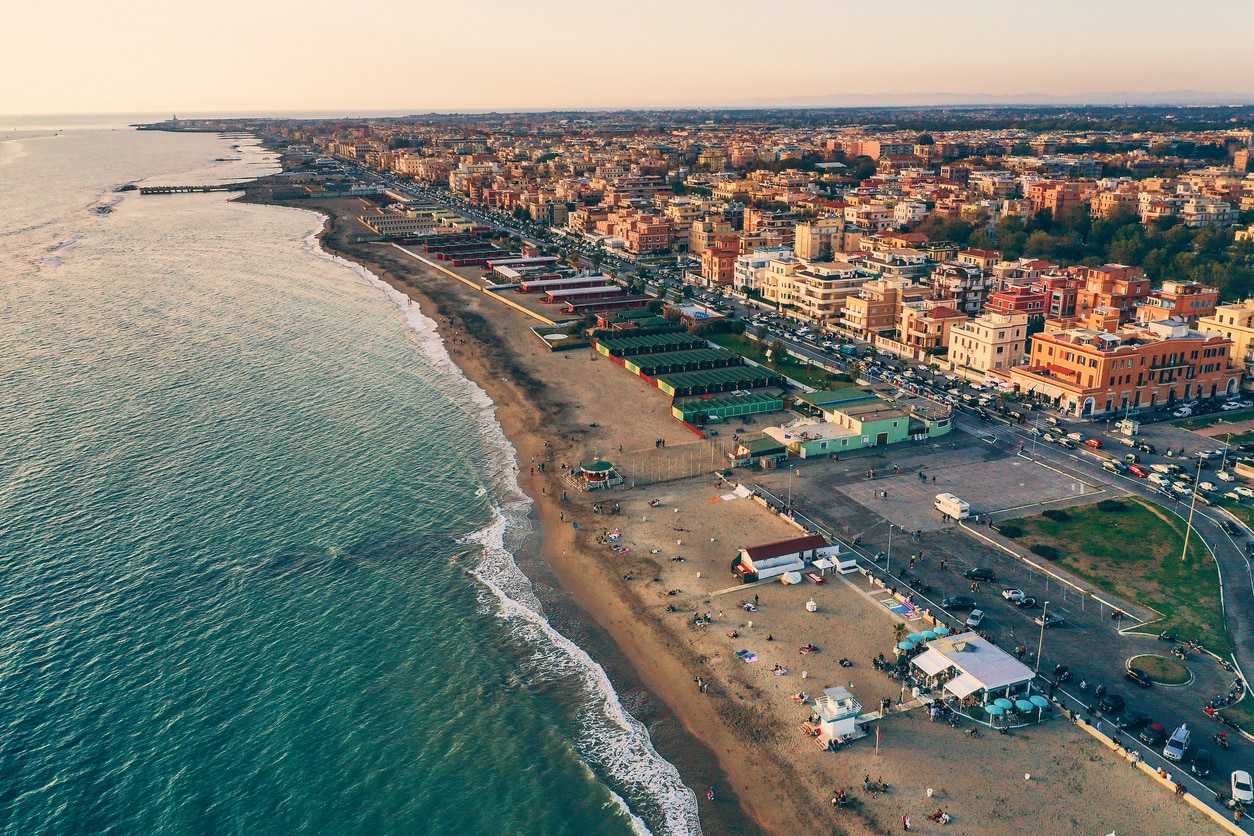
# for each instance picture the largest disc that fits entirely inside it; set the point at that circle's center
(555, 419)
(965, 406)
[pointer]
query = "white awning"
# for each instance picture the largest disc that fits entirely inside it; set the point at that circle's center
(931, 662)
(963, 686)
(823, 563)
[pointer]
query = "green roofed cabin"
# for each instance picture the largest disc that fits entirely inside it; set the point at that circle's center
(672, 362)
(691, 410)
(712, 381)
(596, 475)
(648, 344)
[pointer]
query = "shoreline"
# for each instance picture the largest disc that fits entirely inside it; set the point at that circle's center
(548, 557)
(741, 736)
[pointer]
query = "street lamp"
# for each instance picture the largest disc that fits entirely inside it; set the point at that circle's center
(1188, 529)
(1040, 645)
(888, 564)
(790, 469)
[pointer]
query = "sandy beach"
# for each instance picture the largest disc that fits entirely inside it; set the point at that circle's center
(740, 736)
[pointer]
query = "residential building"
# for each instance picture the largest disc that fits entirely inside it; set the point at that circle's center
(718, 261)
(1018, 300)
(820, 290)
(1208, 211)
(923, 329)
(777, 286)
(964, 286)
(1235, 321)
(703, 232)
(819, 238)
(992, 342)
(1089, 372)
(751, 267)
(1189, 301)
(1111, 286)
(873, 311)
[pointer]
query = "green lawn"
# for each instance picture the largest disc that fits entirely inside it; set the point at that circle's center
(756, 351)
(1135, 554)
(1231, 417)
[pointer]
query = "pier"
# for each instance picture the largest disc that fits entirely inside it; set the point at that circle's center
(221, 187)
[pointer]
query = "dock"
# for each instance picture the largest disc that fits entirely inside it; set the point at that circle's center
(220, 187)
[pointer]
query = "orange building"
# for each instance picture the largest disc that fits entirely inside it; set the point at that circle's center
(1111, 286)
(1178, 300)
(718, 261)
(1090, 372)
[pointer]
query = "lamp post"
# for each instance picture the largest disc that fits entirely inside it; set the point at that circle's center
(790, 469)
(1188, 529)
(1040, 645)
(888, 564)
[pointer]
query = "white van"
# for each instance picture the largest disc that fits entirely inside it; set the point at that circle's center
(952, 507)
(1159, 479)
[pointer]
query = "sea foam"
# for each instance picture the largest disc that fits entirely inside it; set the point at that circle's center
(611, 740)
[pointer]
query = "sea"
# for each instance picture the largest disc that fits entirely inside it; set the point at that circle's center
(257, 534)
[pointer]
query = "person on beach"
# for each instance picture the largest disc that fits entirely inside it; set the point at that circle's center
(905, 821)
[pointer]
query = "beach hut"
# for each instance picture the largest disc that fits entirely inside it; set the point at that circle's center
(758, 563)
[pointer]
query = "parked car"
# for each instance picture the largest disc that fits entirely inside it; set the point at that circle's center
(1131, 458)
(1138, 471)
(959, 603)
(1132, 720)
(1050, 437)
(975, 619)
(1232, 528)
(1138, 676)
(1243, 492)
(1127, 441)
(1050, 620)
(1159, 479)
(1111, 703)
(1065, 444)
(1153, 735)
(1177, 745)
(1242, 787)
(1014, 595)
(1095, 443)
(1114, 466)
(1025, 603)
(1207, 486)
(979, 574)
(1201, 763)
(1225, 476)
(1077, 437)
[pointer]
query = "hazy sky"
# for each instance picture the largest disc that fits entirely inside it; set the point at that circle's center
(176, 56)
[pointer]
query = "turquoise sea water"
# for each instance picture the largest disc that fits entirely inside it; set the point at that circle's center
(255, 534)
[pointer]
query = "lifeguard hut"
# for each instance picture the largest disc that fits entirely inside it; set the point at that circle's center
(836, 712)
(596, 475)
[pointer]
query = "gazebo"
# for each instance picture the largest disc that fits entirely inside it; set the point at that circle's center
(597, 475)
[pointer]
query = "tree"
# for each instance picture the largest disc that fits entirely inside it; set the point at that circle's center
(778, 352)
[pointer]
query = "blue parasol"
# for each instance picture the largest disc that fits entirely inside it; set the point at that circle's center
(994, 709)
(1004, 703)
(905, 645)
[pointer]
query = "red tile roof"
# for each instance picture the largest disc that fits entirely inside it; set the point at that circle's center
(799, 544)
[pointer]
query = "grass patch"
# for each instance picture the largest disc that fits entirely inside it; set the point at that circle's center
(1161, 669)
(1242, 713)
(790, 366)
(1135, 554)
(1232, 416)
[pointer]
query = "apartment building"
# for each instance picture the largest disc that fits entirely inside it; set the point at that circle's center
(1111, 286)
(1235, 322)
(812, 238)
(1188, 301)
(718, 261)
(1208, 211)
(923, 329)
(777, 280)
(964, 286)
(751, 267)
(1019, 299)
(873, 311)
(1090, 372)
(897, 264)
(703, 232)
(992, 342)
(819, 291)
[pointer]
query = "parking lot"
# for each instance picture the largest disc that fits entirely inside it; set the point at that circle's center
(842, 499)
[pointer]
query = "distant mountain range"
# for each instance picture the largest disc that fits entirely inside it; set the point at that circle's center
(1109, 98)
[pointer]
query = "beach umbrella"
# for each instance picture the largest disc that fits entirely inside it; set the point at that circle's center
(905, 645)
(917, 638)
(1023, 705)
(940, 631)
(994, 710)
(1004, 703)
(1041, 704)
(928, 635)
